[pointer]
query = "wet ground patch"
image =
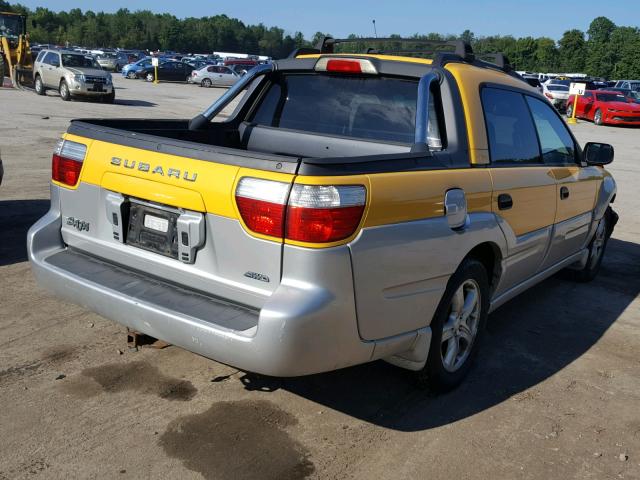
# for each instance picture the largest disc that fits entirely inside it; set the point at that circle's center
(241, 440)
(138, 376)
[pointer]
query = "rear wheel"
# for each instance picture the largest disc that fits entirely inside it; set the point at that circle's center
(597, 117)
(596, 249)
(65, 94)
(149, 77)
(39, 86)
(206, 82)
(457, 326)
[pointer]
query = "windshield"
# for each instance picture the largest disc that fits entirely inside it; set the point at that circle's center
(558, 88)
(78, 61)
(610, 97)
(561, 82)
(10, 26)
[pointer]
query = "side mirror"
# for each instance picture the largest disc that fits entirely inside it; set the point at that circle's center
(598, 153)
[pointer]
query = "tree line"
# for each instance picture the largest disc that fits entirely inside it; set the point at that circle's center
(604, 50)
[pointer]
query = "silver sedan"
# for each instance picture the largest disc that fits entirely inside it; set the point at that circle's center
(214, 76)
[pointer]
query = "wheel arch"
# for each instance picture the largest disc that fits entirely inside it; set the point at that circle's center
(490, 256)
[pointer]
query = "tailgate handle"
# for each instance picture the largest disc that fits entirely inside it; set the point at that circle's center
(455, 208)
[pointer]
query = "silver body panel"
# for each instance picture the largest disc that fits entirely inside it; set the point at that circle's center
(323, 309)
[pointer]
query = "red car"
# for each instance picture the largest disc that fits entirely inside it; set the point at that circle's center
(605, 107)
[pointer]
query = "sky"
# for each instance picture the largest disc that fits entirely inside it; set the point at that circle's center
(341, 17)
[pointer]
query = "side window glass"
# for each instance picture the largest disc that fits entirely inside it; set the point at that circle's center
(49, 58)
(40, 56)
(512, 136)
(555, 142)
(55, 60)
(211, 69)
(434, 137)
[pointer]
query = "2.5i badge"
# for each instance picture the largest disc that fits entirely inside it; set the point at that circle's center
(78, 224)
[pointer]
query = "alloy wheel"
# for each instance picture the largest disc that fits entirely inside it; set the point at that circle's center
(461, 328)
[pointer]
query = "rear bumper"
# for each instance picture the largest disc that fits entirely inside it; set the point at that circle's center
(303, 328)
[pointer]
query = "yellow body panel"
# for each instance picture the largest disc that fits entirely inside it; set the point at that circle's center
(469, 79)
(533, 190)
(211, 183)
(583, 184)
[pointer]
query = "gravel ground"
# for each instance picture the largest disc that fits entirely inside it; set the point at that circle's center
(555, 393)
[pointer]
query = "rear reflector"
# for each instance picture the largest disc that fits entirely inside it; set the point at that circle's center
(66, 162)
(345, 65)
(314, 213)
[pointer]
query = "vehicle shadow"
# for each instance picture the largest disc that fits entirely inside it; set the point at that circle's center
(134, 103)
(16, 217)
(527, 341)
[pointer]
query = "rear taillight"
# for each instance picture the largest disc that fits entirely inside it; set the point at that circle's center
(66, 162)
(309, 213)
(345, 65)
(324, 213)
(262, 205)
(548, 95)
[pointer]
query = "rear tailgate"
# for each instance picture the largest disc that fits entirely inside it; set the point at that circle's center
(172, 217)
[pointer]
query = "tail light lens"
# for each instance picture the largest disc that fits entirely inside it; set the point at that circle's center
(548, 95)
(321, 213)
(262, 205)
(67, 161)
(309, 213)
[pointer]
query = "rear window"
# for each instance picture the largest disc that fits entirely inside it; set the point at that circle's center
(558, 88)
(377, 108)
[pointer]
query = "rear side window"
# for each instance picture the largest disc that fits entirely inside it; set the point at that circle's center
(379, 108)
(512, 136)
(555, 142)
(52, 59)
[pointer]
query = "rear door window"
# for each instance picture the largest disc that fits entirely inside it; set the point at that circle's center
(510, 130)
(382, 109)
(555, 141)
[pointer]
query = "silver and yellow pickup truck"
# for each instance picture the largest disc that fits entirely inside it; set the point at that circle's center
(329, 210)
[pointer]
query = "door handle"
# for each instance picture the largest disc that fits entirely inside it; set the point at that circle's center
(505, 202)
(564, 193)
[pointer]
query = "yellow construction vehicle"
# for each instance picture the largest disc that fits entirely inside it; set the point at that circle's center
(15, 53)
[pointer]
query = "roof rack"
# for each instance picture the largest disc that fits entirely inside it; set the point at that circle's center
(443, 51)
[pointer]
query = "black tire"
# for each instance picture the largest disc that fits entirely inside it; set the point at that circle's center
(597, 117)
(131, 75)
(206, 82)
(435, 373)
(39, 86)
(149, 77)
(65, 94)
(569, 111)
(109, 98)
(596, 248)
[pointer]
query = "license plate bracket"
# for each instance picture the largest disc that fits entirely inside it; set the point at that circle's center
(145, 229)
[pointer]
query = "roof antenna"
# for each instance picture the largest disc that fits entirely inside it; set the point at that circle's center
(375, 32)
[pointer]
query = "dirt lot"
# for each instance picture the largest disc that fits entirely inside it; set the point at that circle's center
(555, 394)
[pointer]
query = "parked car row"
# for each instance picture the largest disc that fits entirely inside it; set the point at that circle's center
(605, 107)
